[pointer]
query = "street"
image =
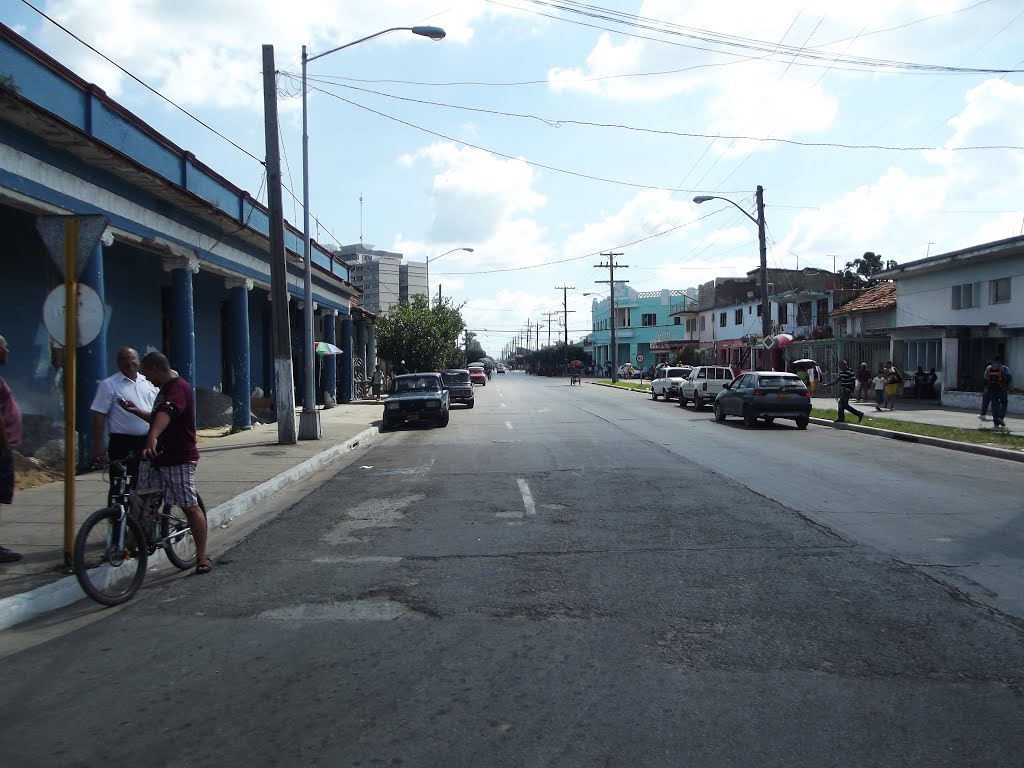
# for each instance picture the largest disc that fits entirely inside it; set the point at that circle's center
(572, 576)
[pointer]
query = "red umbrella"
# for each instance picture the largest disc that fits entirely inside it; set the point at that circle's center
(783, 339)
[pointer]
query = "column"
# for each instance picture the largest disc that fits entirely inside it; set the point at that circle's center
(299, 350)
(329, 375)
(346, 368)
(183, 328)
(371, 358)
(91, 360)
(241, 378)
(360, 352)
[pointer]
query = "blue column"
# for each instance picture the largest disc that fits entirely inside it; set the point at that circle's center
(371, 354)
(360, 352)
(241, 373)
(346, 368)
(183, 328)
(329, 377)
(90, 360)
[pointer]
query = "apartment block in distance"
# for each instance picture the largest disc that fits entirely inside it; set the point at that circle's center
(383, 276)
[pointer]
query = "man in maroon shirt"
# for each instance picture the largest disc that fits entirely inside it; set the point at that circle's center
(10, 436)
(172, 427)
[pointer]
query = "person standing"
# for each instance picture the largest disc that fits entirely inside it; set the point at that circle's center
(10, 436)
(847, 380)
(127, 432)
(879, 385)
(377, 381)
(997, 380)
(172, 466)
(893, 380)
(863, 382)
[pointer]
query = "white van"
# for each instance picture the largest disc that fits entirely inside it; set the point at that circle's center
(703, 384)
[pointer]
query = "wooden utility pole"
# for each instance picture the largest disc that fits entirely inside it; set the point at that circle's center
(284, 382)
(565, 314)
(548, 316)
(611, 266)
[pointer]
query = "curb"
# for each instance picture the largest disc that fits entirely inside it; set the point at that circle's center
(18, 609)
(935, 442)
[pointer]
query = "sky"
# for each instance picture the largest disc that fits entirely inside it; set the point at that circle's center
(541, 133)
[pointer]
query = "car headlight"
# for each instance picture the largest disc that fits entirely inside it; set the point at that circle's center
(433, 403)
(391, 406)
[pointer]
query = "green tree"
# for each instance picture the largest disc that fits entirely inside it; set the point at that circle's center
(860, 273)
(425, 337)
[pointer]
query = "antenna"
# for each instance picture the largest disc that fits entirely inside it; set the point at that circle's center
(360, 218)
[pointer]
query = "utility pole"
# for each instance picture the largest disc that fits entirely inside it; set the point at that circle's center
(549, 315)
(284, 383)
(766, 307)
(528, 333)
(439, 294)
(610, 266)
(537, 331)
(565, 310)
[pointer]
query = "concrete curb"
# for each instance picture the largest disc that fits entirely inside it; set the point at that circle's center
(937, 442)
(18, 609)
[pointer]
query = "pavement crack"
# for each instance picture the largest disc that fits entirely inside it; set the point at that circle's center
(629, 551)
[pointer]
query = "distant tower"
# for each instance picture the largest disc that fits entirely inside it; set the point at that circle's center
(360, 217)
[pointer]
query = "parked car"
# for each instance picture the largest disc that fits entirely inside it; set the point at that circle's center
(703, 384)
(416, 397)
(666, 381)
(477, 374)
(627, 371)
(767, 395)
(460, 386)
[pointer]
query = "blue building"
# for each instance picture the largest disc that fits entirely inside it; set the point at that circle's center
(183, 264)
(644, 325)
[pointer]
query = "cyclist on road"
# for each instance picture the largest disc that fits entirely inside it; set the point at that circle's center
(172, 467)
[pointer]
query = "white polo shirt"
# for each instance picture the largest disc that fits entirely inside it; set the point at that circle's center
(140, 392)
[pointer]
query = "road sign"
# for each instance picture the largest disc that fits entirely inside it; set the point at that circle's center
(767, 342)
(51, 232)
(639, 358)
(90, 315)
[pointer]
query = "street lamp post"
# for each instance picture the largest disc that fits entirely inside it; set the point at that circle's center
(766, 320)
(453, 250)
(309, 422)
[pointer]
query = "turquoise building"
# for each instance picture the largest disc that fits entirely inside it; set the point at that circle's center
(644, 325)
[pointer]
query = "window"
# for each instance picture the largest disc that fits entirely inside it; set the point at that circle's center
(738, 319)
(750, 309)
(964, 296)
(721, 319)
(677, 319)
(924, 352)
(703, 324)
(760, 310)
(999, 291)
(803, 313)
(647, 320)
(783, 313)
(822, 311)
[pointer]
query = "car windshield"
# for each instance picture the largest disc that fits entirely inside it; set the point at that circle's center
(674, 372)
(417, 384)
(460, 377)
(778, 381)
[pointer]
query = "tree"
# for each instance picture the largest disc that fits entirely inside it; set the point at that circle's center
(860, 273)
(425, 337)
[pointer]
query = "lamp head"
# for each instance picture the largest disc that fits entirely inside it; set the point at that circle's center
(468, 249)
(434, 33)
(702, 199)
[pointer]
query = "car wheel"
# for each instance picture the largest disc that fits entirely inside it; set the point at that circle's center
(682, 401)
(445, 418)
(654, 395)
(749, 419)
(769, 419)
(385, 425)
(719, 413)
(470, 404)
(802, 422)
(698, 401)
(485, 383)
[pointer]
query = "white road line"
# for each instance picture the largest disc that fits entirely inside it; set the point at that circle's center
(509, 425)
(503, 405)
(527, 497)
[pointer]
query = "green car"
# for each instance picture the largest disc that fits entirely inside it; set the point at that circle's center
(416, 397)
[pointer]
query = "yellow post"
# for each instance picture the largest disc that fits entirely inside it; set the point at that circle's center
(70, 347)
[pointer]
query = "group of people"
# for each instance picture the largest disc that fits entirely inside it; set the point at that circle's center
(149, 414)
(885, 383)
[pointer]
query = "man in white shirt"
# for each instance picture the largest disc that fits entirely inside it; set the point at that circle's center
(127, 431)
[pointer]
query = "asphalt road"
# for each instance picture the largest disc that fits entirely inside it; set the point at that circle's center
(565, 576)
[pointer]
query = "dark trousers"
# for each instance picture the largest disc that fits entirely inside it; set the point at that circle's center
(120, 448)
(844, 405)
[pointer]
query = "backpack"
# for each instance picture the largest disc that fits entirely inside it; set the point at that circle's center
(995, 376)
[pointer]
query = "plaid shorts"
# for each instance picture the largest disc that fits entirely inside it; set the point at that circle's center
(178, 482)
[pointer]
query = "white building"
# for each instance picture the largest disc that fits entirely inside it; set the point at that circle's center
(385, 279)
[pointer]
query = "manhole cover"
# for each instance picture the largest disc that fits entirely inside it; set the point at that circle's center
(269, 453)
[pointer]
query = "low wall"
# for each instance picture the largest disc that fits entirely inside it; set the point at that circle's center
(972, 400)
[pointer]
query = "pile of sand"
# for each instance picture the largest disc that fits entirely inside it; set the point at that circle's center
(28, 473)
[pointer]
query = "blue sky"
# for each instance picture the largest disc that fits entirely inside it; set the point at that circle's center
(535, 134)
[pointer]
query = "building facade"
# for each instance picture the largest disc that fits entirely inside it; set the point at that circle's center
(645, 324)
(384, 278)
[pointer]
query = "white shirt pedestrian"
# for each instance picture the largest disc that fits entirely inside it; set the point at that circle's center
(139, 391)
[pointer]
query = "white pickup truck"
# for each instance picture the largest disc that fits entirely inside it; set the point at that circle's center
(703, 385)
(666, 382)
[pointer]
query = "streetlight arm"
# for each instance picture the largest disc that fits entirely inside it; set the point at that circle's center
(453, 250)
(704, 198)
(434, 33)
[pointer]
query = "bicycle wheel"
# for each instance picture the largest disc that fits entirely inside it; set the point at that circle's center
(110, 572)
(176, 537)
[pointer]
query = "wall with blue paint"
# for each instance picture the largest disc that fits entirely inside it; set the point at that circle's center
(208, 293)
(133, 280)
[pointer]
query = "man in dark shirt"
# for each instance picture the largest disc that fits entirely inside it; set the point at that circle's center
(172, 467)
(847, 380)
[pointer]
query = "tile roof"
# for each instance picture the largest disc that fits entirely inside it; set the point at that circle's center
(875, 299)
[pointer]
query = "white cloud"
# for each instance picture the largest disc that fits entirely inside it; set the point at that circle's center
(647, 213)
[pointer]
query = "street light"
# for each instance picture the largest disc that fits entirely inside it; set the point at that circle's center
(453, 250)
(309, 423)
(766, 320)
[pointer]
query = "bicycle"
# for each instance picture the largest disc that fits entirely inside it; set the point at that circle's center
(114, 544)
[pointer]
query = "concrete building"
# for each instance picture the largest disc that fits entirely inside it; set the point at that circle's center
(644, 324)
(412, 280)
(385, 279)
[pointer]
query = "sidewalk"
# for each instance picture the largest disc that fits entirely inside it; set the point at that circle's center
(235, 472)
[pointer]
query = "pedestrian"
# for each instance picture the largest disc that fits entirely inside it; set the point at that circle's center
(847, 380)
(879, 385)
(127, 432)
(893, 381)
(997, 380)
(377, 381)
(170, 449)
(985, 396)
(863, 382)
(10, 436)
(801, 373)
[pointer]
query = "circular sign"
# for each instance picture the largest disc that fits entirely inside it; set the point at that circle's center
(639, 358)
(90, 314)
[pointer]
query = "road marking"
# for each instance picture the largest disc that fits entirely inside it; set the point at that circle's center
(503, 405)
(509, 425)
(527, 497)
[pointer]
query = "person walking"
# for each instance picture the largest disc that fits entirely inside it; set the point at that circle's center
(127, 432)
(377, 381)
(986, 398)
(893, 380)
(863, 382)
(847, 380)
(10, 436)
(997, 381)
(172, 465)
(879, 385)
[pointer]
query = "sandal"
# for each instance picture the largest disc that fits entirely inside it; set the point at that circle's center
(204, 567)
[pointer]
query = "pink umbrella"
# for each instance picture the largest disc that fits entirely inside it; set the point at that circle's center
(783, 339)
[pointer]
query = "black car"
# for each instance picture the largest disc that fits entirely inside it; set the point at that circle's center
(416, 397)
(460, 387)
(767, 395)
